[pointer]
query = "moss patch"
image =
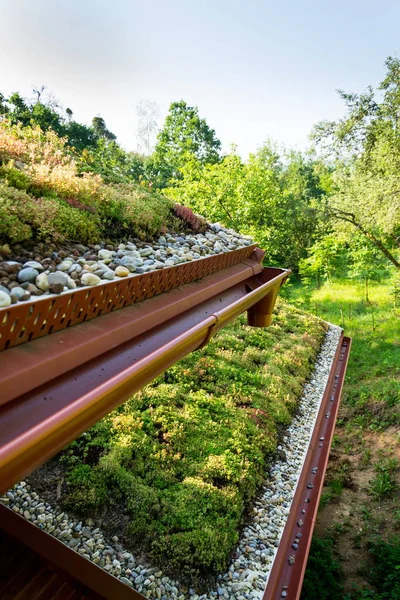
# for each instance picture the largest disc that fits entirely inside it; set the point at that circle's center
(186, 456)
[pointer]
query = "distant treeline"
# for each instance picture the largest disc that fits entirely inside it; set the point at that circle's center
(334, 210)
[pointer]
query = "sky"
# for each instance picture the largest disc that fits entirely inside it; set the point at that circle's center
(256, 69)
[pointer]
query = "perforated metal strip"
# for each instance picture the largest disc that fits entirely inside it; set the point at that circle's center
(24, 322)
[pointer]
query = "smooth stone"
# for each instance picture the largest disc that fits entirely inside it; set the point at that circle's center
(146, 252)
(90, 279)
(42, 282)
(109, 275)
(56, 288)
(19, 293)
(5, 290)
(76, 268)
(81, 248)
(5, 300)
(34, 264)
(55, 278)
(71, 284)
(27, 275)
(104, 254)
(64, 266)
(122, 271)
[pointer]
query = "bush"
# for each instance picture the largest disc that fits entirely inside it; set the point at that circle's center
(88, 490)
(322, 580)
(129, 209)
(23, 217)
(42, 165)
(384, 574)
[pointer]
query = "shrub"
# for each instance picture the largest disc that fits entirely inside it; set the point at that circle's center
(23, 216)
(322, 580)
(383, 574)
(88, 490)
(131, 210)
(189, 218)
(41, 164)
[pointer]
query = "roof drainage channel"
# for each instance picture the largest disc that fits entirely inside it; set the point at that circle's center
(46, 358)
(26, 321)
(36, 425)
(287, 573)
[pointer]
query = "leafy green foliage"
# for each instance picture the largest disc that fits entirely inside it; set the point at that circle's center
(184, 134)
(44, 194)
(370, 406)
(275, 202)
(384, 482)
(384, 574)
(185, 457)
(111, 162)
(324, 573)
(23, 216)
(366, 144)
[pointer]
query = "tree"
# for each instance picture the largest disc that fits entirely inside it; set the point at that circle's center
(100, 129)
(276, 200)
(112, 162)
(365, 146)
(184, 133)
(21, 110)
(81, 137)
(147, 113)
(366, 262)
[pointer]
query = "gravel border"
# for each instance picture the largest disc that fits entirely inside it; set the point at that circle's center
(251, 564)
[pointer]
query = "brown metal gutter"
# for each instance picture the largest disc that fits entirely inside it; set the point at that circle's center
(73, 378)
(290, 563)
(41, 316)
(78, 568)
(50, 357)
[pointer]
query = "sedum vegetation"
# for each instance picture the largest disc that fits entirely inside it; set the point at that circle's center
(44, 196)
(183, 460)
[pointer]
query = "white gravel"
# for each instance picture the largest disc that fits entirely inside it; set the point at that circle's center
(250, 567)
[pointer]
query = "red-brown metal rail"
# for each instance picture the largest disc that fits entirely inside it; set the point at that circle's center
(287, 574)
(289, 566)
(26, 321)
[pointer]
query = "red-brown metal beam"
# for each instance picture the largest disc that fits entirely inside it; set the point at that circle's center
(78, 568)
(287, 574)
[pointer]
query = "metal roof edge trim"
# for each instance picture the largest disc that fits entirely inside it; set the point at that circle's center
(44, 315)
(287, 573)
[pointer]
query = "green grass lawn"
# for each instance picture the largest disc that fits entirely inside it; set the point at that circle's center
(369, 415)
(182, 461)
(372, 389)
